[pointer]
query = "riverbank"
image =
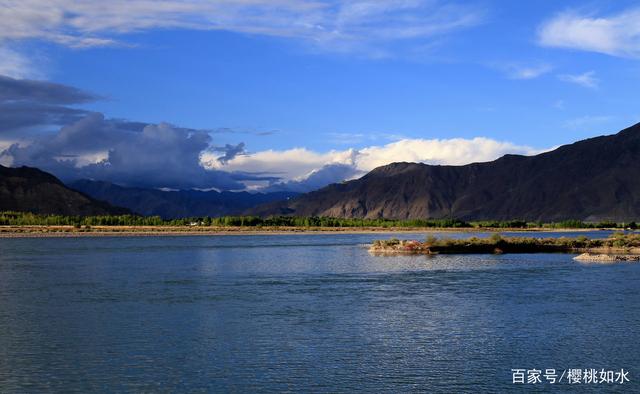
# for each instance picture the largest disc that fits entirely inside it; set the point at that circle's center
(617, 244)
(133, 231)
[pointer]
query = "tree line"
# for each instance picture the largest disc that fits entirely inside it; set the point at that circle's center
(31, 219)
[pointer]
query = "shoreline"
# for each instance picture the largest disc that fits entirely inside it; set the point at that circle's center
(151, 231)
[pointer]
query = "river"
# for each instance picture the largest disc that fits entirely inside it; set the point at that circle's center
(312, 313)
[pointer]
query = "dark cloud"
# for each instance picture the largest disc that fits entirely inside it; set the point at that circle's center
(230, 152)
(26, 104)
(328, 174)
(266, 133)
(16, 116)
(129, 125)
(159, 155)
(229, 130)
(256, 176)
(86, 145)
(45, 92)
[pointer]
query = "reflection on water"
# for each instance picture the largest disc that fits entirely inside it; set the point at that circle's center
(301, 312)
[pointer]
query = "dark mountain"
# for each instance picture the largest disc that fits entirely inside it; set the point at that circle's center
(176, 204)
(28, 189)
(592, 180)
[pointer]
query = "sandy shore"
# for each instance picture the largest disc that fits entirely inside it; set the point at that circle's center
(142, 231)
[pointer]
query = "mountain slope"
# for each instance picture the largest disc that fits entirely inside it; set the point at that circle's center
(27, 189)
(594, 179)
(176, 204)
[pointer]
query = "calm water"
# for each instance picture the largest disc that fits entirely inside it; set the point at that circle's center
(314, 313)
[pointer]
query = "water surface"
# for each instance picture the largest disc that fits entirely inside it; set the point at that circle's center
(303, 312)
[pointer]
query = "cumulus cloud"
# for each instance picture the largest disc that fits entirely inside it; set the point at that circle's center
(290, 164)
(586, 79)
(88, 145)
(455, 151)
(159, 155)
(39, 127)
(616, 35)
(305, 170)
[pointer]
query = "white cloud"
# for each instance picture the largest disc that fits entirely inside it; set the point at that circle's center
(16, 65)
(370, 28)
(515, 71)
(291, 164)
(340, 25)
(616, 35)
(455, 151)
(586, 79)
(300, 163)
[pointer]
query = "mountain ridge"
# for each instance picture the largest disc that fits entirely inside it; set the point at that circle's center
(590, 180)
(176, 204)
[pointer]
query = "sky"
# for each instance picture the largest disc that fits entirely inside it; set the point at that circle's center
(294, 94)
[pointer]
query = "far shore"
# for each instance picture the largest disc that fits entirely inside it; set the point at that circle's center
(142, 231)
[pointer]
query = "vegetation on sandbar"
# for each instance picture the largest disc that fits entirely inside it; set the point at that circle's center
(499, 244)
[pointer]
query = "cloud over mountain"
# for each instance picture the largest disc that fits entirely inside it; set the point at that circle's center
(42, 126)
(306, 170)
(88, 145)
(159, 155)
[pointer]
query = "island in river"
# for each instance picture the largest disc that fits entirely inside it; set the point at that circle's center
(617, 247)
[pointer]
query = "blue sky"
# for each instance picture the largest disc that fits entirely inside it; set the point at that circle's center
(305, 84)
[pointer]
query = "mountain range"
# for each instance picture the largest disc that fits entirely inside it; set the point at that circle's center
(29, 189)
(591, 180)
(597, 179)
(176, 204)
